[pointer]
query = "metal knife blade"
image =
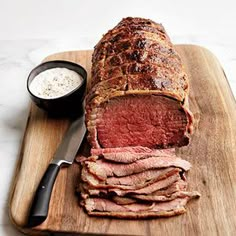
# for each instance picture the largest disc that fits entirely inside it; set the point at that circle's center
(71, 142)
(65, 154)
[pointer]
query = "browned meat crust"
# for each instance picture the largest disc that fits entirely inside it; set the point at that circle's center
(135, 57)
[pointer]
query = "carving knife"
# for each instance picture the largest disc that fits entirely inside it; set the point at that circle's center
(64, 156)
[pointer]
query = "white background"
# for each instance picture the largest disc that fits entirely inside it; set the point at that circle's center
(30, 30)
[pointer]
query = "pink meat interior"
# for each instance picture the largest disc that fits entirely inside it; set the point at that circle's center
(142, 120)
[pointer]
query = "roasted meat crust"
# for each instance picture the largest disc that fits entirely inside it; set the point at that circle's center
(135, 57)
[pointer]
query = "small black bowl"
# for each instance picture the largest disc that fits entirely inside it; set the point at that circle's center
(70, 104)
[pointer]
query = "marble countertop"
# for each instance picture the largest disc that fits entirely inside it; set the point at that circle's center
(30, 30)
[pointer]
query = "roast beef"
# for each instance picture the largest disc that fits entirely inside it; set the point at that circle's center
(133, 184)
(137, 103)
(140, 195)
(139, 93)
(180, 185)
(123, 200)
(133, 181)
(178, 210)
(105, 207)
(153, 198)
(121, 191)
(142, 177)
(137, 150)
(130, 154)
(163, 198)
(103, 169)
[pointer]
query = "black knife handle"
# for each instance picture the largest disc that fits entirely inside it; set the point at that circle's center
(39, 209)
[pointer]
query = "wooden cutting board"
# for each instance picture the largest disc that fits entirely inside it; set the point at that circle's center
(212, 152)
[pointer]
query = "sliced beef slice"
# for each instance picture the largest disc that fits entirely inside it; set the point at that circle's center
(163, 183)
(125, 157)
(180, 185)
(123, 200)
(134, 150)
(161, 198)
(103, 169)
(154, 198)
(142, 177)
(140, 215)
(135, 181)
(104, 207)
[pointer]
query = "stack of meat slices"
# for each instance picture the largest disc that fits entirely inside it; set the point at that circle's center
(134, 182)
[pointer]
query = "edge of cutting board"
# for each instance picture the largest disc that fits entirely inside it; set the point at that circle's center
(14, 221)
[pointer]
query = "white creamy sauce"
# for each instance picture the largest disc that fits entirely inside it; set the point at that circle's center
(55, 82)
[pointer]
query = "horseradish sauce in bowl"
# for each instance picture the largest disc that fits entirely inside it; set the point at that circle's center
(58, 87)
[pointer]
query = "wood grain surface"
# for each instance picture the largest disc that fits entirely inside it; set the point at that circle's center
(212, 152)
